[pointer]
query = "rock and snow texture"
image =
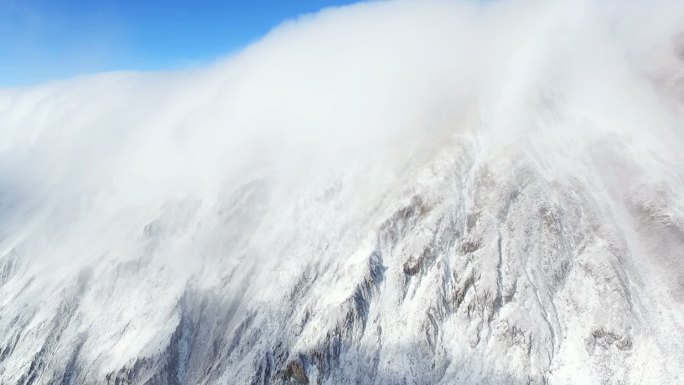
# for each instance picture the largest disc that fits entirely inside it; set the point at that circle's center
(389, 193)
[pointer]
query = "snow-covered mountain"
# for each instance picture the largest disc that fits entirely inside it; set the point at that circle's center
(389, 193)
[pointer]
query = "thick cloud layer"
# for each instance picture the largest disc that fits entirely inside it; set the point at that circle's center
(86, 163)
(120, 191)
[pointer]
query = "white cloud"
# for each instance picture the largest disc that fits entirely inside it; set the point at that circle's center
(374, 83)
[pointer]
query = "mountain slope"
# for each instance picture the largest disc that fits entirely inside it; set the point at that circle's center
(436, 213)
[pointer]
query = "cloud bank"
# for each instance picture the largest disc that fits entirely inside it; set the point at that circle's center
(239, 174)
(86, 163)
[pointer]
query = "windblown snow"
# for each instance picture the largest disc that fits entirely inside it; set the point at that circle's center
(393, 192)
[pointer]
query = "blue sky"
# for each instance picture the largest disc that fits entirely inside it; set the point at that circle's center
(42, 40)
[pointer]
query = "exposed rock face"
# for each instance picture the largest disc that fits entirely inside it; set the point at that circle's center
(481, 270)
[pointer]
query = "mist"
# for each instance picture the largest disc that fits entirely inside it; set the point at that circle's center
(373, 84)
(208, 177)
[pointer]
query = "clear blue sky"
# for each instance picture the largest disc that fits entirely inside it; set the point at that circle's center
(51, 39)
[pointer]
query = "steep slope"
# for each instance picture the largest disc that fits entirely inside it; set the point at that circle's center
(517, 223)
(478, 267)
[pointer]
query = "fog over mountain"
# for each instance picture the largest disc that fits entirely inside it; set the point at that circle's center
(399, 192)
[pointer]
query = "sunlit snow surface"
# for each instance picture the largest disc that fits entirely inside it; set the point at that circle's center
(388, 193)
